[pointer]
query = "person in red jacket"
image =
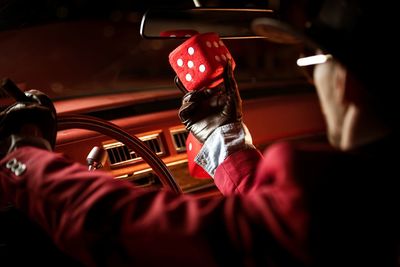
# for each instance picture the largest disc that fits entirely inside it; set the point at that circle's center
(291, 206)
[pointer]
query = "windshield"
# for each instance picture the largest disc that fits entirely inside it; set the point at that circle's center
(97, 49)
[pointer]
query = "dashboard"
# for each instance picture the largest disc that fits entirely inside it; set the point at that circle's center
(269, 118)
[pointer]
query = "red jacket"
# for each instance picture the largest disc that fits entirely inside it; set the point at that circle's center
(288, 208)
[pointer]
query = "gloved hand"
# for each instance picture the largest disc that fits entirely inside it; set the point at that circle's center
(203, 111)
(28, 123)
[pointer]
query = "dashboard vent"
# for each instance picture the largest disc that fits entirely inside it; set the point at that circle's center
(179, 138)
(119, 154)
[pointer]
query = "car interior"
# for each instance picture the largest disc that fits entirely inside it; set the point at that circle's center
(105, 66)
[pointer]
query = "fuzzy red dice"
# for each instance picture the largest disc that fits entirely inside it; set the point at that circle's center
(199, 62)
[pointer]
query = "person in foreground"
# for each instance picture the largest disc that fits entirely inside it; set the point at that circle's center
(290, 206)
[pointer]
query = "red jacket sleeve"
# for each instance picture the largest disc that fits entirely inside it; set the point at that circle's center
(269, 181)
(103, 221)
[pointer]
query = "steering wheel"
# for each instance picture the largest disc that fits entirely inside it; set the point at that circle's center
(19, 235)
(135, 144)
(106, 128)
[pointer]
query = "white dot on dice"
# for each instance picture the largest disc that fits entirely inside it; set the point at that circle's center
(190, 64)
(179, 62)
(202, 68)
(221, 43)
(223, 57)
(228, 55)
(217, 58)
(191, 50)
(188, 77)
(208, 44)
(215, 44)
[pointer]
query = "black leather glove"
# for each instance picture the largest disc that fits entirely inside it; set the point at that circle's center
(205, 110)
(28, 123)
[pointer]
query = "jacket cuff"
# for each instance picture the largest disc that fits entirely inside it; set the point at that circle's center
(224, 141)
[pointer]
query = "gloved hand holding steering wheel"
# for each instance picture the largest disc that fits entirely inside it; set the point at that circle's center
(31, 122)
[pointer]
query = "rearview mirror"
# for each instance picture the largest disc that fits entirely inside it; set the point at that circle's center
(228, 23)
